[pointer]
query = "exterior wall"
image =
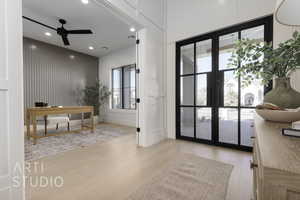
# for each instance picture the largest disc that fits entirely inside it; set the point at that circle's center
(51, 76)
(106, 64)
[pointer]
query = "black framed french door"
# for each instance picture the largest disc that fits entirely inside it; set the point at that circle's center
(212, 106)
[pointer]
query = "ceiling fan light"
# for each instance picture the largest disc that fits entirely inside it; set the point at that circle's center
(85, 1)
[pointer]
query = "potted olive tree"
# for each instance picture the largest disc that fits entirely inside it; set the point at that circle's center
(96, 95)
(259, 60)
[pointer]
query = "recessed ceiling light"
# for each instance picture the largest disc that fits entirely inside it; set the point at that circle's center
(91, 48)
(85, 1)
(132, 29)
(105, 48)
(48, 34)
(72, 57)
(33, 47)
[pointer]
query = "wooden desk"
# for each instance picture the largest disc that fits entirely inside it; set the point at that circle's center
(33, 113)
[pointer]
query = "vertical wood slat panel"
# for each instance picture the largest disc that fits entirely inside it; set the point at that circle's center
(51, 76)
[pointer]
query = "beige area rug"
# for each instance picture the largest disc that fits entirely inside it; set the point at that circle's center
(189, 177)
(53, 145)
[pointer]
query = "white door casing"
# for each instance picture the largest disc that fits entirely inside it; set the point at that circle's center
(11, 101)
(151, 109)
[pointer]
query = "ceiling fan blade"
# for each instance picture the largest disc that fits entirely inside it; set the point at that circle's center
(82, 31)
(40, 23)
(65, 40)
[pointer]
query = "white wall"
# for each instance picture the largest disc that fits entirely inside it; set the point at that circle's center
(151, 61)
(282, 33)
(186, 19)
(189, 18)
(106, 64)
(11, 101)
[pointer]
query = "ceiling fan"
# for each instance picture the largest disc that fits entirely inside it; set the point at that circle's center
(61, 30)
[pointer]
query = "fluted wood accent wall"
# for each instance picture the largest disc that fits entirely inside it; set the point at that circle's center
(53, 74)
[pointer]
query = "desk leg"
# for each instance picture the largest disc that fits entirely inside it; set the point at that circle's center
(92, 122)
(82, 120)
(34, 130)
(46, 124)
(28, 125)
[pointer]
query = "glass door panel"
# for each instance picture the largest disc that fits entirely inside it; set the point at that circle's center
(187, 122)
(201, 90)
(187, 90)
(195, 115)
(252, 95)
(204, 123)
(256, 33)
(247, 126)
(228, 125)
(187, 59)
(226, 47)
(231, 89)
(204, 56)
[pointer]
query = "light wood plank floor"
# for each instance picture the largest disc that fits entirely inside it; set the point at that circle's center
(113, 170)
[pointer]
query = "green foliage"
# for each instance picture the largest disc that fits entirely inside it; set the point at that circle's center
(259, 60)
(95, 95)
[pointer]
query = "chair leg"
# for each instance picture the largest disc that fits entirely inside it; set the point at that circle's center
(57, 126)
(69, 126)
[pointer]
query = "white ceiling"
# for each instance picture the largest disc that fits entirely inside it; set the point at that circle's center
(108, 29)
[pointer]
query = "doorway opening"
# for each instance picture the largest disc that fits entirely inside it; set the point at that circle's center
(212, 106)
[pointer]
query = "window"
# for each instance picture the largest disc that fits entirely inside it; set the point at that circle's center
(123, 87)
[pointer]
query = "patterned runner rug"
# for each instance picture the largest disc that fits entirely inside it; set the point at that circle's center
(189, 177)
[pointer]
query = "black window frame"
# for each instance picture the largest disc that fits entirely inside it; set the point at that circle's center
(122, 88)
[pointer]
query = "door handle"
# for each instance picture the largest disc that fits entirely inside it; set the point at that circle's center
(253, 165)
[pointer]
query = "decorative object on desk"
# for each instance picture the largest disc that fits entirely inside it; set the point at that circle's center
(291, 132)
(287, 12)
(96, 95)
(40, 104)
(275, 113)
(262, 61)
(56, 106)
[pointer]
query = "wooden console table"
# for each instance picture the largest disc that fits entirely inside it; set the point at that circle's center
(33, 113)
(276, 162)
